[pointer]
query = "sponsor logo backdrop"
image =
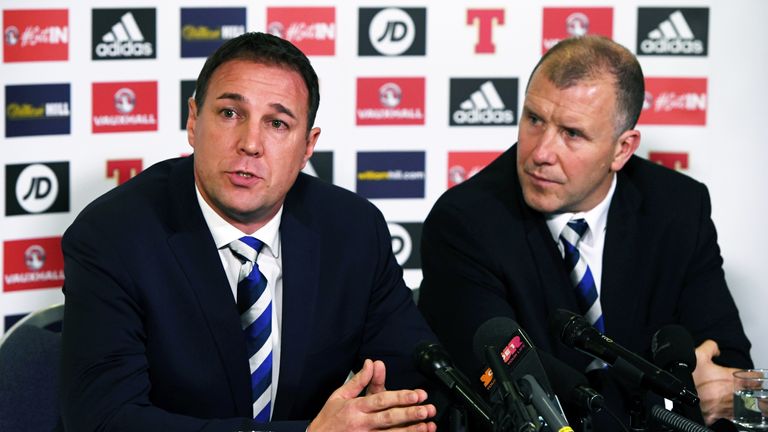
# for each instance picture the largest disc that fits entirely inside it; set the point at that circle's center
(417, 96)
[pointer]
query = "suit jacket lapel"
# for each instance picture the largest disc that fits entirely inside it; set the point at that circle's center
(301, 275)
(619, 292)
(198, 258)
(546, 258)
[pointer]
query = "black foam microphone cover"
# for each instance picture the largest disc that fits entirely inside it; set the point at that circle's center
(672, 345)
(673, 350)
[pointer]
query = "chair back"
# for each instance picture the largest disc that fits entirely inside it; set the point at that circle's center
(30, 354)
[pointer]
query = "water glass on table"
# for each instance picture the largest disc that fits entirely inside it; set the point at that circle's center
(750, 399)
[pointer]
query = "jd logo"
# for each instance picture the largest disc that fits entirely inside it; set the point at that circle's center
(37, 188)
(392, 31)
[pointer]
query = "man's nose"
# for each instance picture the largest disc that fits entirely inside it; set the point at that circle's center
(545, 151)
(251, 139)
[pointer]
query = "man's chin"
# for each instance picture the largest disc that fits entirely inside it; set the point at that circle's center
(541, 203)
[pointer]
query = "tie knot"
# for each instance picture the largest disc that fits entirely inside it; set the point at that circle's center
(579, 226)
(246, 248)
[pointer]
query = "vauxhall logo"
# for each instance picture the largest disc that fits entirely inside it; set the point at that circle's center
(32, 264)
(392, 31)
(123, 33)
(672, 31)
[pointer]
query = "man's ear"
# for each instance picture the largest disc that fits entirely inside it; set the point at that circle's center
(312, 137)
(191, 121)
(626, 145)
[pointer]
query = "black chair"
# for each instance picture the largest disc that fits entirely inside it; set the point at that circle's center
(29, 372)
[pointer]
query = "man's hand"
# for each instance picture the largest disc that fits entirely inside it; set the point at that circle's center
(714, 383)
(379, 409)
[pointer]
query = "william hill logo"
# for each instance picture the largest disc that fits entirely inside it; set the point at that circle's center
(39, 109)
(205, 29)
(391, 174)
(27, 111)
(123, 33)
(205, 33)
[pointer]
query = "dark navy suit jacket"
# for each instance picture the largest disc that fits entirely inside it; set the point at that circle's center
(485, 253)
(152, 339)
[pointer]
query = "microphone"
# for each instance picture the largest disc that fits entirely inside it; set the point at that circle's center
(571, 386)
(575, 332)
(672, 349)
(505, 332)
(525, 367)
(544, 406)
(515, 411)
(433, 361)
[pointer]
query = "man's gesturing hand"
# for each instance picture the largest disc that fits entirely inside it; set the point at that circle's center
(379, 409)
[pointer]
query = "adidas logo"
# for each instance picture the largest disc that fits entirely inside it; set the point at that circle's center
(672, 36)
(124, 40)
(484, 106)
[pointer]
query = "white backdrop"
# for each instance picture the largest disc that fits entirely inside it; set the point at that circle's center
(727, 153)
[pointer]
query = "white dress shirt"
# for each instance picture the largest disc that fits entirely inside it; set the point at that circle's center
(592, 242)
(270, 264)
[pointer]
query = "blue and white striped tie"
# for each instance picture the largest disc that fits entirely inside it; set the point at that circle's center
(254, 302)
(581, 275)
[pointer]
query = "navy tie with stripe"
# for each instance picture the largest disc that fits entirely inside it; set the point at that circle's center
(581, 275)
(254, 303)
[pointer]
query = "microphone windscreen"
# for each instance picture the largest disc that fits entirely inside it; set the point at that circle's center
(495, 332)
(673, 344)
(430, 357)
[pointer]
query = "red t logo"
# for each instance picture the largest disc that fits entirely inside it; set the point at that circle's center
(124, 170)
(485, 18)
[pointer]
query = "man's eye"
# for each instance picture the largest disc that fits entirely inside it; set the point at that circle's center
(228, 113)
(277, 124)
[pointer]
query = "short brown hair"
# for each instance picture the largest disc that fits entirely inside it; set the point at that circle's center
(267, 49)
(576, 59)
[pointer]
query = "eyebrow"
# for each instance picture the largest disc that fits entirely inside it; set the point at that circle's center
(234, 96)
(274, 105)
(283, 109)
(528, 110)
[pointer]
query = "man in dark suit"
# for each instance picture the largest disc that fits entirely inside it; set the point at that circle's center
(492, 246)
(173, 323)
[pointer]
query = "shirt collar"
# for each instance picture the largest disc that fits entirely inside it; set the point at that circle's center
(597, 217)
(224, 233)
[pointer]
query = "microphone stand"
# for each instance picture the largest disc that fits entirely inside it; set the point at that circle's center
(637, 413)
(510, 412)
